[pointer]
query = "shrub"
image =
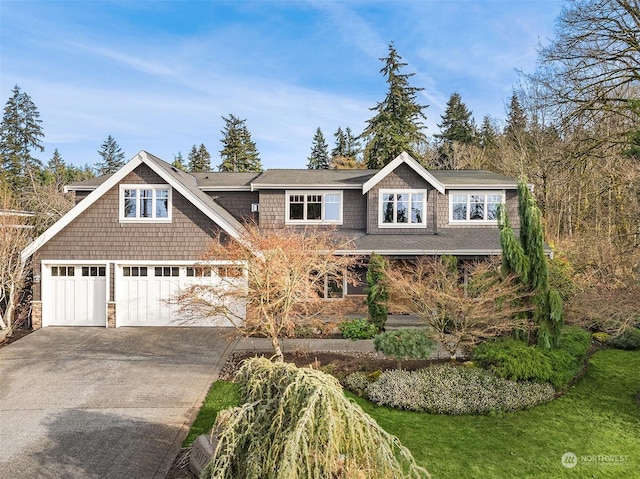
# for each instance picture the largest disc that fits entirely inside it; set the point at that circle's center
(455, 390)
(601, 337)
(357, 382)
(357, 329)
(629, 339)
(377, 294)
(515, 360)
(405, 343)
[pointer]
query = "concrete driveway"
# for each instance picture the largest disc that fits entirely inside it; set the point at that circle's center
(103, 403)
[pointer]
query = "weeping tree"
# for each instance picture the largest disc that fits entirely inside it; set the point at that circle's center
(297, 424)
(377, 294)
(527, 259)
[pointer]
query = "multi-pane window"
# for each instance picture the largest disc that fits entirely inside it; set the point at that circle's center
(400, 208)
(198, 271)
(475, 206)
(314, 207)
(167, 271)
(148, 202)
(63, 271)
(93, 271)
(134, 271)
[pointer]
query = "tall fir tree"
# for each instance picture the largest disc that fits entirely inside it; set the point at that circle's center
(199, 159)
(516, 120)
(398, 124)
(340, 149)
(56, 171)
(20, 134)
(112, 157)
(488, 135)
(178, 162)
(239, 152)
(319, 158)
(346, 151)
(457, 122)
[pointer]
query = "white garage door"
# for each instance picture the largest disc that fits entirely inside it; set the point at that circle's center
(74, 295)
(146, 295)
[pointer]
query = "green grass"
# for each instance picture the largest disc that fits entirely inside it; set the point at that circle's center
(222, 395)
(598, 416)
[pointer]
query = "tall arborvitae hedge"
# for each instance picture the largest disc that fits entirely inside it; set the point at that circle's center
(377, 294)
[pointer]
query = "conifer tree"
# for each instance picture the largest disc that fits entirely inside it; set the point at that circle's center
(239, 152)
(397, 125)
(112, 157)
(20, 134)
(178, 162)
(488, 134)
(528, 260)
(341, 144)
(319, 158)
(516, 121)
(377, 294)
(56, 171)
(457, 122)
(199, 159)
(347, 150)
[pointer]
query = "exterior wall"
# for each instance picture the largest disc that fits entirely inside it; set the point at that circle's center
(97, 233)
(511, 201)
(80, 195)
(402, 177)
(273, 209)
(238, 203)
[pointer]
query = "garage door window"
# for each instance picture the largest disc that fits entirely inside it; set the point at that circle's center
(198, 271)
(63, 271)
(167, 271)
(134, 271)
(89, 271)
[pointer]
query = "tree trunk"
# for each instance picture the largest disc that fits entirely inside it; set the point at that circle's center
(278, 356)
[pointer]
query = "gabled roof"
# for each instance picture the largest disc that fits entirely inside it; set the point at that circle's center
(182, 182)
(317, 179)
(225, 180)
(397, 161)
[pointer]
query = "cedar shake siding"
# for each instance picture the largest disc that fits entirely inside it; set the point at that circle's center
(96, 234)
(238, 203)
(273, 210)
(402, 178)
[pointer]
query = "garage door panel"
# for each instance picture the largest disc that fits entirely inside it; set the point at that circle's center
(71, 299)
(150, 300)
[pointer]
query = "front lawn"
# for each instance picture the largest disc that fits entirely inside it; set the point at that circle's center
(598, 418)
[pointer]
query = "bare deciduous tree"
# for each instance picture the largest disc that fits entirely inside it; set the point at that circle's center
(458, 313)
(287, 272)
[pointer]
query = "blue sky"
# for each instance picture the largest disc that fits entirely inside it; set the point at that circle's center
(159, 75)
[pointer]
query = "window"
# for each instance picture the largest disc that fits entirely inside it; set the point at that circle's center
(314, 207)
(92, 271)
(198, 271)
(230, 272)
(63, 271)
(402, 208)
(167, 271)
(134, 271)
(145, 203)
(475, 206)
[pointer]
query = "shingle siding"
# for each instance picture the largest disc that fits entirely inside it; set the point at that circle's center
(96, 234)
(238, 203)
(402, 178)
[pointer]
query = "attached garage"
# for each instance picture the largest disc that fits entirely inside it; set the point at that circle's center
(146, 294)
(74, 294)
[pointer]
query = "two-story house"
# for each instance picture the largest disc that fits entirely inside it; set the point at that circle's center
(134, 238)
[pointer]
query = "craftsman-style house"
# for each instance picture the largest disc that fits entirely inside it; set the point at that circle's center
(135, 237)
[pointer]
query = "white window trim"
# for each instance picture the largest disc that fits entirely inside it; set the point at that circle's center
(322, 221)
(469, 193)
(155, 188)
(388, 191)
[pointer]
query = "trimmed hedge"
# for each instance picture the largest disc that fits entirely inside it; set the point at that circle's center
(515, 360)
(410, 343)
(451, 390)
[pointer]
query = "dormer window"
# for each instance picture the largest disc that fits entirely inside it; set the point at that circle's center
(142, 203)
(314, 207)
(402, 209)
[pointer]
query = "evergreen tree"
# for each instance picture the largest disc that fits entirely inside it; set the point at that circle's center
(199, 159)
(377, 294)
(341, 144)
(178, 162)
(239, 152)
(353, 148)
(20, 134)
(397, 125)
(516, 121)
(319, 158)
(457, 122)
(112, 157)
(347, 149)
(528, 260)
(56, 171)
(488, 134)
